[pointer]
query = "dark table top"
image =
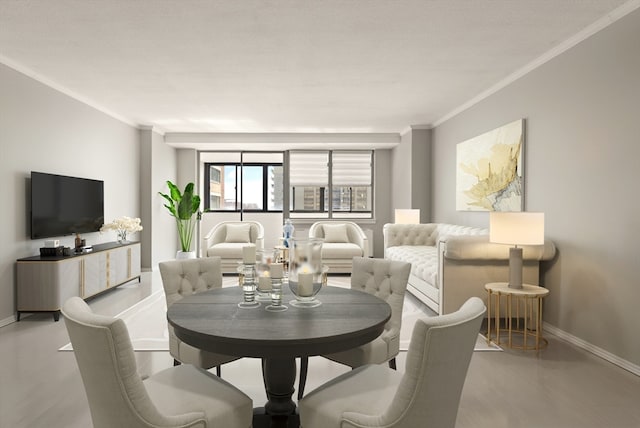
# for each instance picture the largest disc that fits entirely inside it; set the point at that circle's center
(212, 321)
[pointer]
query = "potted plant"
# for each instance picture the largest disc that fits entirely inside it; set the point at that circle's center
(182, 206)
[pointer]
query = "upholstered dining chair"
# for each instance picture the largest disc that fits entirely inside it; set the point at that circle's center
(226, 239)
(182, 278)
(426, 394)
(386, 279)
(183, 396)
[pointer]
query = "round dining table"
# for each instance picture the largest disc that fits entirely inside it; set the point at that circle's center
(212, 321)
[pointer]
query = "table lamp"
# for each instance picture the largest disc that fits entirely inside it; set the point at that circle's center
(407, 216)
(516, 228)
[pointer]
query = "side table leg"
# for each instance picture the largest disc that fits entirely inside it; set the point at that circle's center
(488, 317)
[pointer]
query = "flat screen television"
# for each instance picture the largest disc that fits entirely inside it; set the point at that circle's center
(62, 205)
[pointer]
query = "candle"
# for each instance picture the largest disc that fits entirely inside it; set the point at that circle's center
(276, 270)
(305, 284)
(264, 281)
(249, 255)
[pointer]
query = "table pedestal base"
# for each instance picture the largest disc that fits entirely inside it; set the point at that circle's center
(279, 379)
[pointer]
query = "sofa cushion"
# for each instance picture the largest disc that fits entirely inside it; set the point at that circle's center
(423, 259)
(238, 233)
(335, 233)
(334, 250)
(227, 250)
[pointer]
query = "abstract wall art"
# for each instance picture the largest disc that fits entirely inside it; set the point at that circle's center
(489, 171)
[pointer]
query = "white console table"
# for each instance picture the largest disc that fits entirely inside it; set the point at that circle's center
(45, 283)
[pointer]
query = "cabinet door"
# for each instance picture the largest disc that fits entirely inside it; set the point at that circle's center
(134, 260)
(118, 266)
(95, 273)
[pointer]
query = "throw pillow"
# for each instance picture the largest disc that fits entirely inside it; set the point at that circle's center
(238, 233)
(335, 233)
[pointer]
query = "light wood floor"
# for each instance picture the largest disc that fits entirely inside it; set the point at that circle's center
(561, 386)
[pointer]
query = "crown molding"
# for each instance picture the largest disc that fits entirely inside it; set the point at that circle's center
(592, 29)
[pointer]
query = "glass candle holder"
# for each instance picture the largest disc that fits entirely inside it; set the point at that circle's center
(306, 271)
(263, 277)
(248, 286)
(276, 289)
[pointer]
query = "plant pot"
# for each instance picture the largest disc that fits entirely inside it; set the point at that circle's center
(181, 255)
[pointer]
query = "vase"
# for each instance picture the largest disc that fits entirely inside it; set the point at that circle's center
(122, 236)
(307, 274)
(182, 255)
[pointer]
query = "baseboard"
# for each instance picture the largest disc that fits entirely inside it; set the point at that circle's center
(583, 344)
(8, 321)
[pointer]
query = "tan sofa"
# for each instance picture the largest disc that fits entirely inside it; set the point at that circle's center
(451, 263)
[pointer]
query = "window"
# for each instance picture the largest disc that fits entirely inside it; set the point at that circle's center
(345, 176)
(250, 187)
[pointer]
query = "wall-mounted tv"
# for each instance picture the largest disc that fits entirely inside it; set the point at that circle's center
(62, 205)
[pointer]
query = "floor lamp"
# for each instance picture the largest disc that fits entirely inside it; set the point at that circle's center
(516, 228)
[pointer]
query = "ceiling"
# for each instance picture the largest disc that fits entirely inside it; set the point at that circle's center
(343, 66)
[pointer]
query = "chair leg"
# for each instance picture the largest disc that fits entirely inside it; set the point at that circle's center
(304, 365)
(176, 362)
(219, 371)
(392, 363)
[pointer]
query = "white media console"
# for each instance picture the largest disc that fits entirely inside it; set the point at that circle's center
(45, 283)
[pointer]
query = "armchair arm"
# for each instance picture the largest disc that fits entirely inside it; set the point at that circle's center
(359, 238)
(215, 235)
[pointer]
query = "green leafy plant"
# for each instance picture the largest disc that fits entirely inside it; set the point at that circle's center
(182, 206)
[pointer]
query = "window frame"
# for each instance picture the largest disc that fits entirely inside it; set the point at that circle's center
(239, 186)
(326, 199)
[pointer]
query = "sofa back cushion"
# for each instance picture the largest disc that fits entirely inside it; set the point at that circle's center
(336, 233)
(238, 232)
(410, 234)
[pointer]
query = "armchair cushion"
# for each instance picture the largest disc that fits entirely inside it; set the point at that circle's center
(335, 233)
(238, 233)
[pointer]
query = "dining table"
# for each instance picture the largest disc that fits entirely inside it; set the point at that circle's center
(212, 321)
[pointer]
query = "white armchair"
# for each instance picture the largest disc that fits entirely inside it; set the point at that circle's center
(182, 396)
(343, 240)
(227, 238)
(427, 394)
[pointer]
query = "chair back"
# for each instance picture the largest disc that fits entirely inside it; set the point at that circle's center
(102, 347)
(184, 277)
(437, 362)
(386, 279)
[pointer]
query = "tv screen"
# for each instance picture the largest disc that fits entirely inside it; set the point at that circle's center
(62, 205)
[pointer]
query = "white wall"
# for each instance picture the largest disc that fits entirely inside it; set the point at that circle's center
(44, 130)
(581, 168)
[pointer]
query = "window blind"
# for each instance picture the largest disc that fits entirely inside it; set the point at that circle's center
(309, 169)
(351, 169)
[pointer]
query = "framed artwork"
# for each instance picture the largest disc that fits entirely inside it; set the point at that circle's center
(489, 170)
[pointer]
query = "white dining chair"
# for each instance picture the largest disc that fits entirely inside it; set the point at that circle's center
(182, 278)
(183, 396)
(427, 394)
(386, 279)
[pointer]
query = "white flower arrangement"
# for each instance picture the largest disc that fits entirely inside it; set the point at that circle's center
(122, 226)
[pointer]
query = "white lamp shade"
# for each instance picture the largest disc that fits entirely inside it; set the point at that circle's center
(516, 228)
(407, 216)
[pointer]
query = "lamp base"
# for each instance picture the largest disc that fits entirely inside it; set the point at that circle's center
(515, 267)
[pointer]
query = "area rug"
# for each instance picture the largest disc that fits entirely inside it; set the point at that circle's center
(147, 322)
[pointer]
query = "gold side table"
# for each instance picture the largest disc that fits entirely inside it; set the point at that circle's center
(529, 299)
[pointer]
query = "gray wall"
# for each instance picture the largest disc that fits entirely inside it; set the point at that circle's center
(159, 165)
(581, 168)
(44, 130)
(411, 173)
